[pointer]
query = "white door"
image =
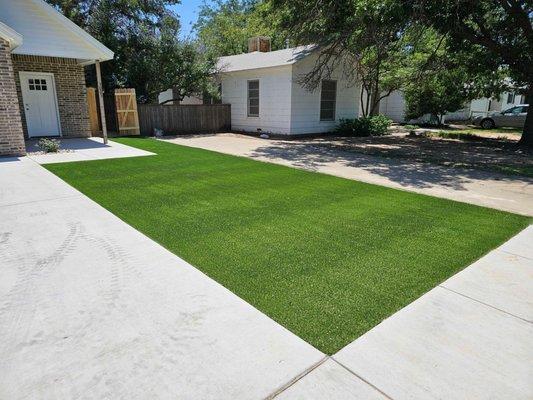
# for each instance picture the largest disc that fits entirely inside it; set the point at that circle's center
(40, 104)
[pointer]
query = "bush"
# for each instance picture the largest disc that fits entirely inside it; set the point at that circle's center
(49, 145)
(365, 126)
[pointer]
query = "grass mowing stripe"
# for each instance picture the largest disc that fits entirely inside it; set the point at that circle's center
(327, 257)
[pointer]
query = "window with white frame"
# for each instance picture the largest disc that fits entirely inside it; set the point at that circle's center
(253, 98)
(328, 100)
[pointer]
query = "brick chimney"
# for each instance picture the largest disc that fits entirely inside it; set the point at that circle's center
(259, 43)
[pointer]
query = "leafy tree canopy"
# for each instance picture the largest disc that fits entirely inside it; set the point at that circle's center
(496, 34)
(492, 39)
(144, 35)
(223, 28)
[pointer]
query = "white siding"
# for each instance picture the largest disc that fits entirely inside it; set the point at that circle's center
(393, 106)
(518, 99)
(305, 108)
(191, 100)
(44, 34)
(164, 96)
(274, 99)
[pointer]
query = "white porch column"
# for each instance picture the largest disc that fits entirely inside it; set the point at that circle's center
(101, 99)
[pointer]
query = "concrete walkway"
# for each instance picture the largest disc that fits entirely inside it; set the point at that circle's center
(92, 309)
(508, 193)
(85, 149)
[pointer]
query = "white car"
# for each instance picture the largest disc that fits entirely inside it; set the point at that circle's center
(512, 117)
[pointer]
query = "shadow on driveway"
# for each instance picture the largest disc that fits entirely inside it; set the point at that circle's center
(314, 155)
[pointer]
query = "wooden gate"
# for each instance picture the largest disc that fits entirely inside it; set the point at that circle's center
(127, 115)
(92, 106)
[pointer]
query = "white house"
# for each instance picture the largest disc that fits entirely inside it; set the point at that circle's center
(394, 107)
(265, 96)
(167, 97)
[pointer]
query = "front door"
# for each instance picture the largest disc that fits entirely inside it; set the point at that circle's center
(40, 104)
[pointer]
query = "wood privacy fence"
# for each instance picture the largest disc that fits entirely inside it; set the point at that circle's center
(184, 119)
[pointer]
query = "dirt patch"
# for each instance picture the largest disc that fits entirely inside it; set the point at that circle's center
(501, 155)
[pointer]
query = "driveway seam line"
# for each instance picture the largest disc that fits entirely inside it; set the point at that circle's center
(517, 255)
(362, 379)
(290, 383)
(485, 304)
(40, 200)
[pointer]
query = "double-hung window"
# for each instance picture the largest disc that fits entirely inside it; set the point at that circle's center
(253, 98)
(328, 99)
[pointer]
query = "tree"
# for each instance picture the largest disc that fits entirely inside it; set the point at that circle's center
(436, 94)
(500, 32)
(373, 41)
(163, 61)
(144, 36)
(223, 28)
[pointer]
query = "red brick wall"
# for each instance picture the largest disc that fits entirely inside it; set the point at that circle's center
(71, 92)
(11, 137)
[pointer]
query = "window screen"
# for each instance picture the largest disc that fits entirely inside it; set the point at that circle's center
(253, 98)
(328, 96)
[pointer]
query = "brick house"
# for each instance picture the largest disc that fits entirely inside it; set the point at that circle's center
(42, 79)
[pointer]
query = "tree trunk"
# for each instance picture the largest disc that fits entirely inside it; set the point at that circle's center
(374, 101)
(527, 133)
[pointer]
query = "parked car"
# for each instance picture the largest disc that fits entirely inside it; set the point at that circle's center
(512, 117)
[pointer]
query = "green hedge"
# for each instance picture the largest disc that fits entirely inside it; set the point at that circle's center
(365, 126)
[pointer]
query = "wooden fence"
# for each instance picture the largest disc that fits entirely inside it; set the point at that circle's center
(184, 119)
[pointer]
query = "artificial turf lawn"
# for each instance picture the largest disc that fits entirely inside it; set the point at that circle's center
(326, 257)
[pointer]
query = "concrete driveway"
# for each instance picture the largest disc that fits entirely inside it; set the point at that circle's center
(508, 193)
(92, 309)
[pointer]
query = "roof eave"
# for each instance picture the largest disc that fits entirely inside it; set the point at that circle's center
(102, 52)
(13, 37)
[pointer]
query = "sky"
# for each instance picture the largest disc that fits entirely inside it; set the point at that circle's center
(188, 12)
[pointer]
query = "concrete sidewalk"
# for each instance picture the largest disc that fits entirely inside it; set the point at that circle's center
(469, 338)
(83, 149)
(91, 308)
(507, 193)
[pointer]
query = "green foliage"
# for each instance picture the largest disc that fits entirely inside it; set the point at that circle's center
(500, 33)
(492, 37)
(225, 26)
(49, 145)
(436, 93)
(145, 38)
(365, 126)
(328, 258)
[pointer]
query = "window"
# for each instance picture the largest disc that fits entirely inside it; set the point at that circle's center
(37, 84)
(328, 98)
(253, 98)
(510, 98)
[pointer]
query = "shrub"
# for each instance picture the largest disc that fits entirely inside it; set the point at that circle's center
(49, 145)
(365, 126)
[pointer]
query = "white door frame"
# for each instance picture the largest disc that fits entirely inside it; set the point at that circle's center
(24, 75)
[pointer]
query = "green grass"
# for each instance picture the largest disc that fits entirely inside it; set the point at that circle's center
(326, 257)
